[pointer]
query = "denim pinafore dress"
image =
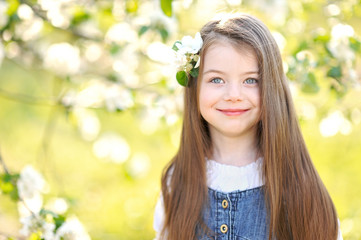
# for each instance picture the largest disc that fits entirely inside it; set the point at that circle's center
(236, 208)
(238, 215)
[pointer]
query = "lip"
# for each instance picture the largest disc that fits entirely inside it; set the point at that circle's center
(233, 111)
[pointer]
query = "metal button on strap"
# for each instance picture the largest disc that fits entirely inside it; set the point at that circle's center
(224, 228)
(224, 203)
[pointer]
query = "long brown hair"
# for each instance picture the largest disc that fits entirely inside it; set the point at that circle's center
(298, 203)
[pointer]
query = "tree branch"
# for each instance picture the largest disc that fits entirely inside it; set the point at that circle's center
(27, 99)
(40, 13)
(4, 165)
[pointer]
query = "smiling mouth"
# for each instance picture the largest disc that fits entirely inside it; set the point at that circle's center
(233, 112)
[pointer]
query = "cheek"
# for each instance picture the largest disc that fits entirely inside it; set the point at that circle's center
(206, 101)
(203, 102)
(208, 96)
(256, 98)
(257, 104)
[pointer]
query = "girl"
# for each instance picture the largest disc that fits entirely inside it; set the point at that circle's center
(242, 170)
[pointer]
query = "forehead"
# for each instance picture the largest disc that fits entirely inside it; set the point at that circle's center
(227, 56)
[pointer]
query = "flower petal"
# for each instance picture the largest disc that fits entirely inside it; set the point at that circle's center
(198, 63)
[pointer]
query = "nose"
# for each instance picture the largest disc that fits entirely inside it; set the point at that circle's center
(233, 92)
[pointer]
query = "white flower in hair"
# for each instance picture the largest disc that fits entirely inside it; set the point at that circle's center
(187, 57)
(189, 44)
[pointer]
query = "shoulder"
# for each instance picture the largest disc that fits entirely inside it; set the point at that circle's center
(339, 235)
(158, 217)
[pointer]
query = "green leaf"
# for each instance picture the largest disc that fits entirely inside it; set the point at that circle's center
(194, 72)
(164, 34)
(13, 6)
(79, 16)
(335, 72)
(322, 38)
(182, 78)
(142, 30)
(112, 77)
(114, 49)
(44, 212)
(59, 221)
(309, 84)
(166, 6)
(338, 90)
(355, 44)
(175, 48)
(14, 195)
(7, 177)
(6, 187)
(303, 45)
(131, 6)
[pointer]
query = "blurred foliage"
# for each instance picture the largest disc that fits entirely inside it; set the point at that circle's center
(88, 97)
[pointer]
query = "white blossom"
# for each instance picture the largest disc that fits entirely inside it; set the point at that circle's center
(335, 122)
(333, 10)
(187, 52)
(69, 98)
(25, 12)
(36, 224)
(159, 52)
(63, 58)
(30, 205)
(121, 33)
(88, 123)
(189, 44)
(57, 205)
(29, 29)
(12, 50)
(112, 96)
(91, 95)
(30, 183)
(112, 147)
(180, 61)
(339, 44)
(30, 26)
(151, 120)
(71, 229)
(57, 11)
(3, 15)
(280, 40)
(150, 14)
(139, 164)
(93, 51)
(89, 28)
(126, 63)
(116, 97)
(275, 10)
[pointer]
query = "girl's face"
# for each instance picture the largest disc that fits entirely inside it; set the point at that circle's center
(229, 98)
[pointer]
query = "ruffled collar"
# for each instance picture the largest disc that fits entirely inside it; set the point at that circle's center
(228, 178)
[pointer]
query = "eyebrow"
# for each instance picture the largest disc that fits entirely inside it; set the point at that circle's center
(221, 72)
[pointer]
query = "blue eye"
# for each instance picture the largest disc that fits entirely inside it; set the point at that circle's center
(217, 80)
(251, 81)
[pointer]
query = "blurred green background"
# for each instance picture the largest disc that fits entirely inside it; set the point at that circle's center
(88, 97)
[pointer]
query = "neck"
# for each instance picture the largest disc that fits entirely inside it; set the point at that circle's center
(237, 151)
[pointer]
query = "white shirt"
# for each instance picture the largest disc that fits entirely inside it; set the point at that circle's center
(224, 178)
